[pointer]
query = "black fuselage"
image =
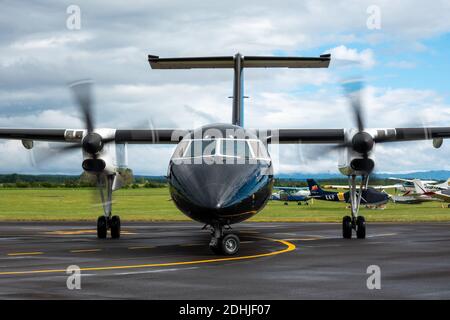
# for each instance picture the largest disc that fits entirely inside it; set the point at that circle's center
(220, 191)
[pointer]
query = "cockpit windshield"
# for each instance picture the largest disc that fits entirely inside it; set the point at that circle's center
(226, 148)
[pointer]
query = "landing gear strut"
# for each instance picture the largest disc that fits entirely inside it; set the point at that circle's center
(226, 244)
(107, 221)
(355, 222)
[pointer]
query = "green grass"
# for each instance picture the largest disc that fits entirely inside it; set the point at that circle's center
(154, 205)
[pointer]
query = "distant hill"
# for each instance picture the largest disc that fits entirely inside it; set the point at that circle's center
(430, 175)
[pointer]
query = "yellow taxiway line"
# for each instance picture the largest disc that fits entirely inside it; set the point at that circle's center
(289, 247)
(25, 253)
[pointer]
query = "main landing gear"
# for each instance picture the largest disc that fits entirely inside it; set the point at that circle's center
(107, 221)
(226, 244)
(355, 222)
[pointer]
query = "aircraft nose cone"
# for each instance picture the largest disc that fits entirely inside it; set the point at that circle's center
(215, 187)
(209, 186)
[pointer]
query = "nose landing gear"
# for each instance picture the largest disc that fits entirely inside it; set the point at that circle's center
(222, 244)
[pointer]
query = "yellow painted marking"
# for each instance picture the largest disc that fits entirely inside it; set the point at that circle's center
(136, 248)
(25, 253)
(85, 250)
(341, 196)
(77, 232)
(289, 247)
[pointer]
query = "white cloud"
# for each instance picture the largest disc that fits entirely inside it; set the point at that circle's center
(39, 55)
(348, 56)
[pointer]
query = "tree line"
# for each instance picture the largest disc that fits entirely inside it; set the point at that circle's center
(84, 180)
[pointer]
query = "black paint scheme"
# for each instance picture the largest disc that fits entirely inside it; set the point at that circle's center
(221, 192)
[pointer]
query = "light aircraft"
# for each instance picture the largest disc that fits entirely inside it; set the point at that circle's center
(419, 195)
(288, 194)
(221, 174)
(369, 197)
(377, 187)
(408, 184)
(441, 195)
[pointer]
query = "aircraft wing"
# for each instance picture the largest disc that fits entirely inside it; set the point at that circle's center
(400, 179)
(290, 188)
(394, 186)
(150, 136)
(282, 136)
(294, 136)
(441, 196)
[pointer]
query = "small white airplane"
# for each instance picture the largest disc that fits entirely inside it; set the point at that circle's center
(408, 184)
(287, 194)
(419, 195)
(398, 186)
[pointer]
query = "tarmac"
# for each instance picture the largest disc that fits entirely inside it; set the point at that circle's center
(171, 260)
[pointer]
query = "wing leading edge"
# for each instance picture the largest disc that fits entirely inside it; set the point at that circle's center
(282, 136)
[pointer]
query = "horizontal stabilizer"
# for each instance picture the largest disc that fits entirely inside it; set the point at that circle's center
(322, 61)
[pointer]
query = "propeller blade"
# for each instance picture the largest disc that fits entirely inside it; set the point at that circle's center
(39, 155)
(353, 90)
(82, 93)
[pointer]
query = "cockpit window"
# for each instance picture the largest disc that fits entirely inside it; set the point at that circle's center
(235, 148)
(229, 148)
(199, 148)
(259, 150)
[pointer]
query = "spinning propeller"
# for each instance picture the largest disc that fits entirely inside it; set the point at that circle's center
(92, 143)
(361, 142)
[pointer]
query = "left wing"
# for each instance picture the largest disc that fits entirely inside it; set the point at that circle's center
(282, 136)
(295, 136)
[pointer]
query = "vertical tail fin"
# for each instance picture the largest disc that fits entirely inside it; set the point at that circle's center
(419, 187)
(314, 187)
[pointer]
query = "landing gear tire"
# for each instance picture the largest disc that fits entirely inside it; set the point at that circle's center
(102, 227)
(115, 227)
(230, 244)
(347, 227)
(360, 227)
(285, 203)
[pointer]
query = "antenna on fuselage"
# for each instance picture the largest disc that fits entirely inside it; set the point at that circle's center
(238, 63)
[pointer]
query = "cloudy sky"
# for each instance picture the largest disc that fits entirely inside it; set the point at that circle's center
(405, 64)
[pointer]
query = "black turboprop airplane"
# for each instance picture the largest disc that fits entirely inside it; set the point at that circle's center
(221, 174)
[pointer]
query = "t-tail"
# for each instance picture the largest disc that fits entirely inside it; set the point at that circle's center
(238, 63)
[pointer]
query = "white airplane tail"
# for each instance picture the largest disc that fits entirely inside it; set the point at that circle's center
(419, 187)
(445, 185)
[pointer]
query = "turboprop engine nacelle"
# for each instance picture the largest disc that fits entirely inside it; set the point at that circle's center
(109, 159)
(352, 162)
